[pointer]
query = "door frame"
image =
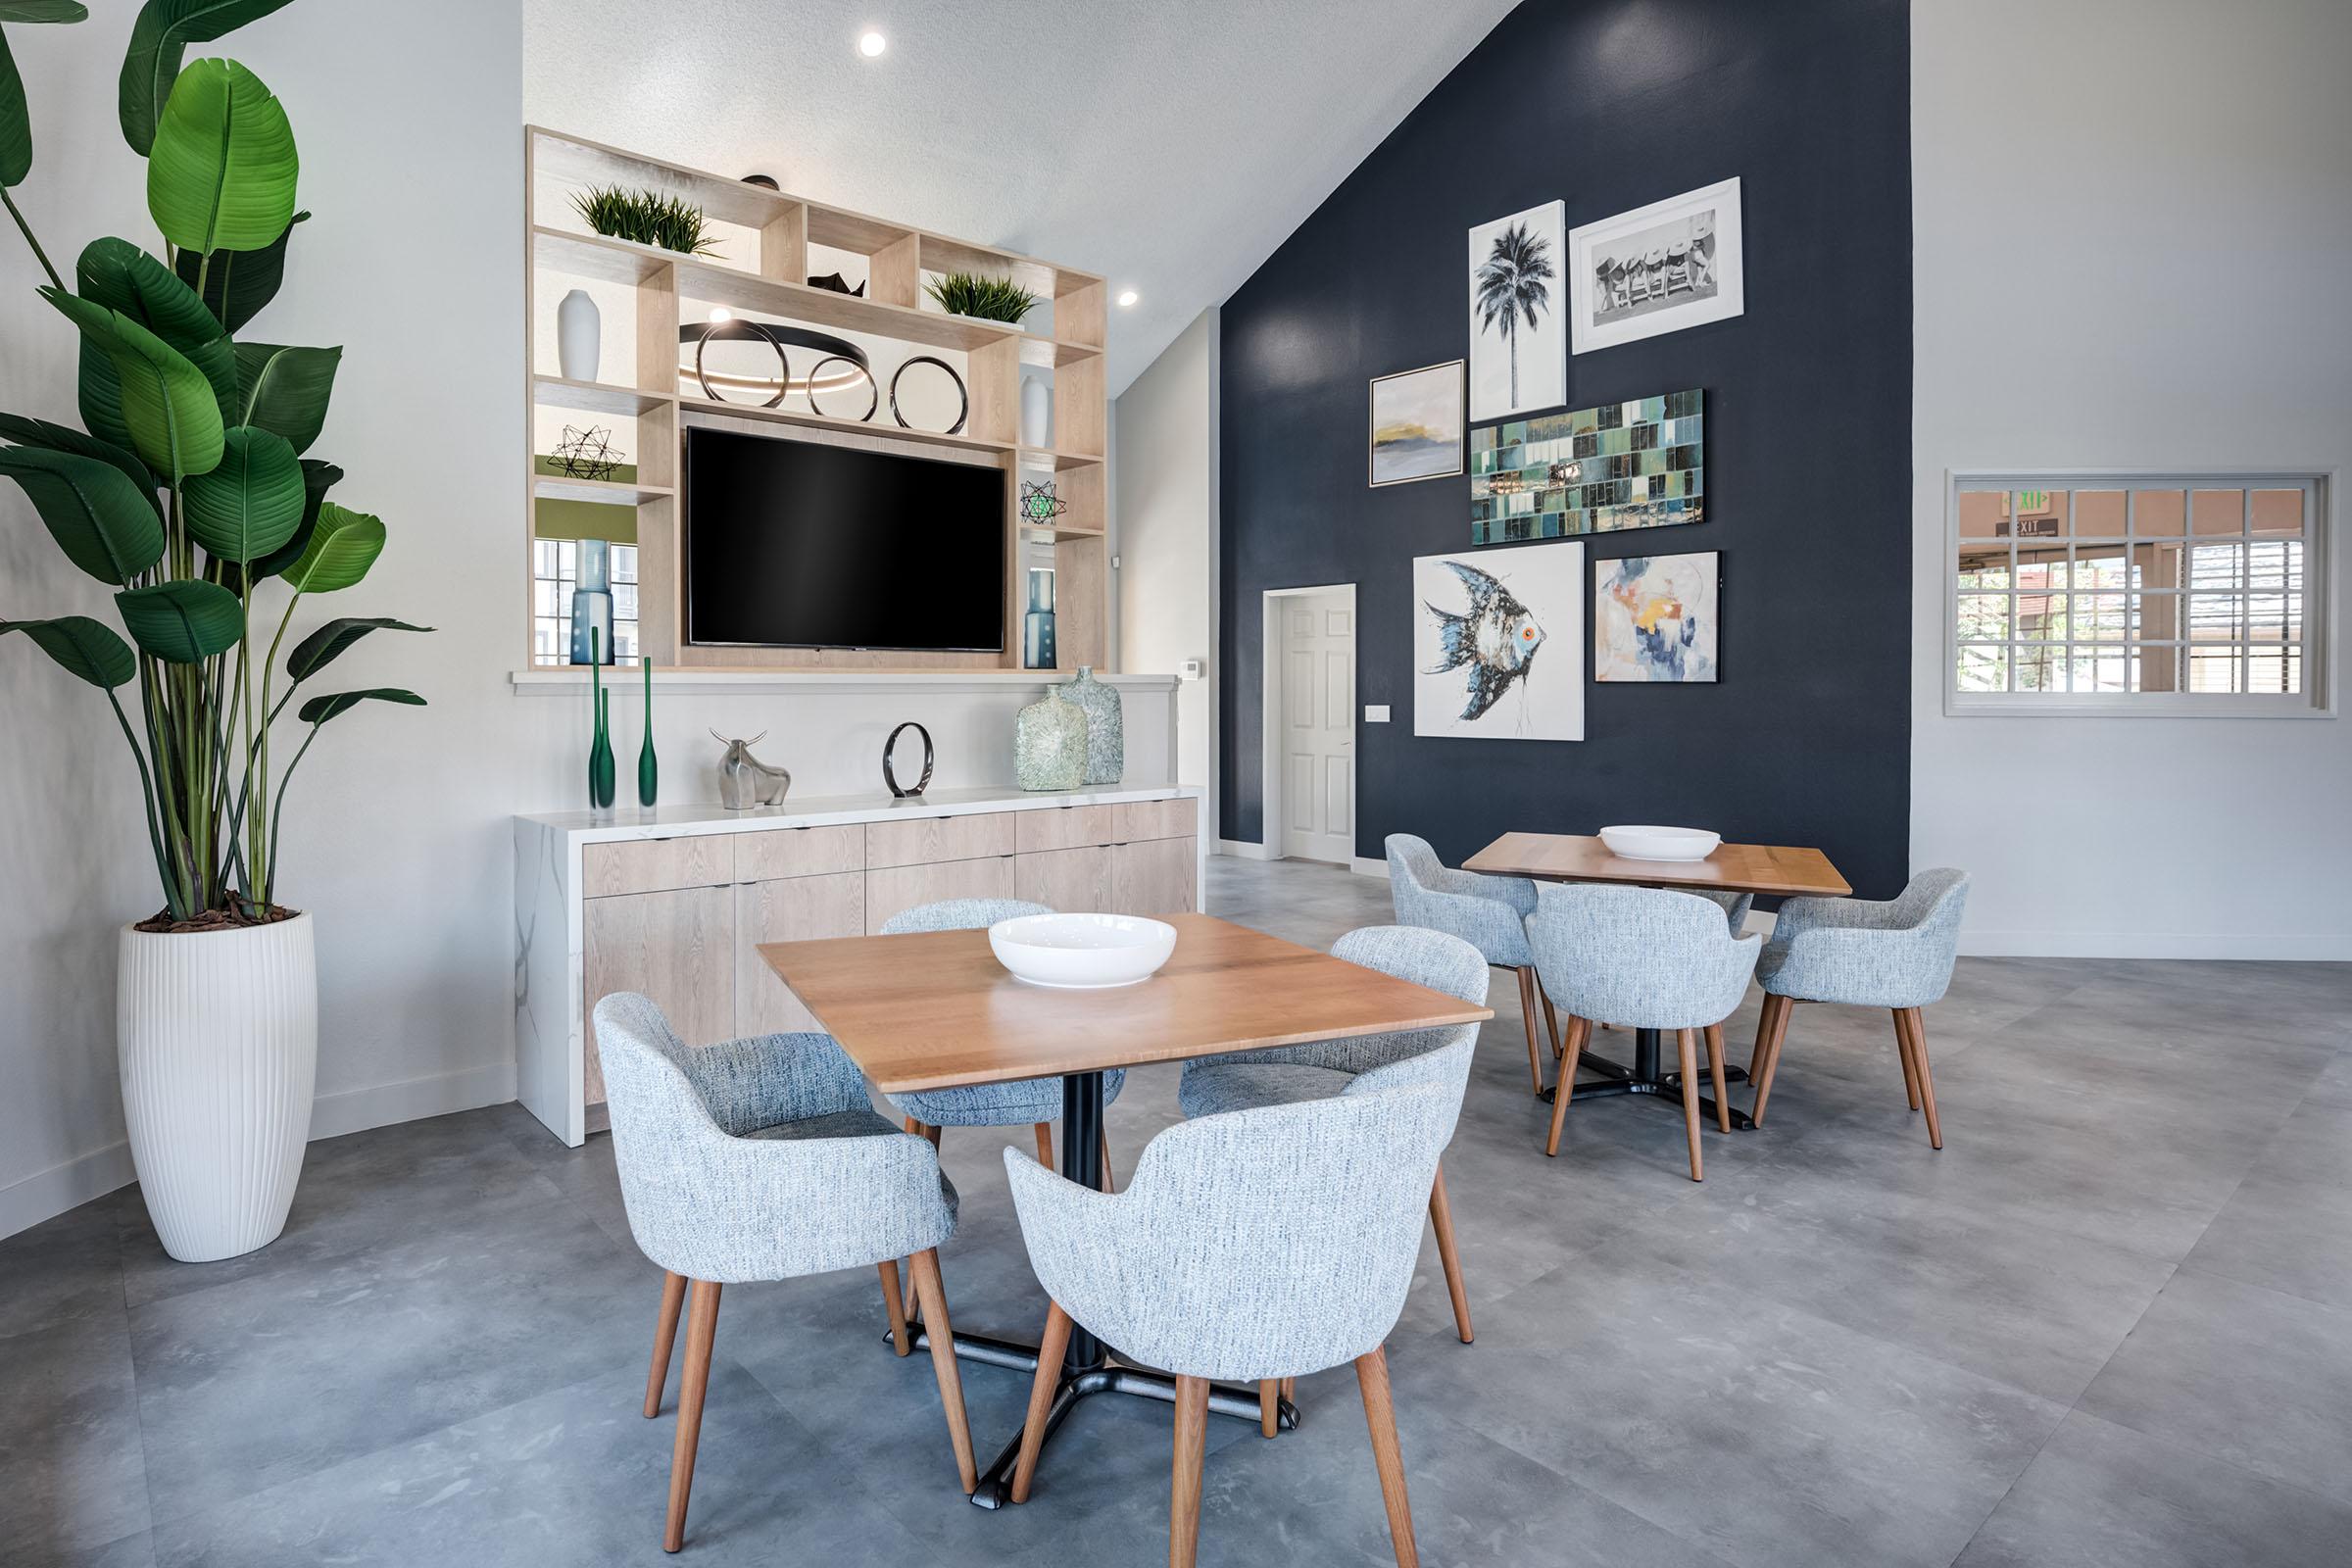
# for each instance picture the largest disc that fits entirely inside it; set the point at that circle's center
(1271, 819)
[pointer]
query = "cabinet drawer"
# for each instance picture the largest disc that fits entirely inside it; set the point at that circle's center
(654, 866)
(897, 888)
(925, 840)
(1069, 880)
(1153, 819)
(798, 852)
(1063, 828)
(1153, 876)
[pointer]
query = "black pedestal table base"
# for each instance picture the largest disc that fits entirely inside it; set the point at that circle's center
(1643, 1077)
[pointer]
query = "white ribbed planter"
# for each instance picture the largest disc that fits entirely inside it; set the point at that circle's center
(218, 1038)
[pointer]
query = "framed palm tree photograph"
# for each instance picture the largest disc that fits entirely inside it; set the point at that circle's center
(1518, 344)
(1657, 269)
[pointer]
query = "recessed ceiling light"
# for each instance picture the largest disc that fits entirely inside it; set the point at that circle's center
(1126, 298)
(719, 312)
(871, 44)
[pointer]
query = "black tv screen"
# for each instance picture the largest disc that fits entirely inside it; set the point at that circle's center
(793, 544)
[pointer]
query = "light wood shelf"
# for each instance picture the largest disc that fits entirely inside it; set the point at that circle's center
(594, 397)
(1058, 461)
(555, 487)
(1049, 352)
(964, 442)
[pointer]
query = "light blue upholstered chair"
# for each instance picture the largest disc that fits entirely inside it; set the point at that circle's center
(1250, 1246)
(1487, 911)
(1289, 1074)
(762, 1159)
(1896, 955)
(1645, 958)
(1034, 1102)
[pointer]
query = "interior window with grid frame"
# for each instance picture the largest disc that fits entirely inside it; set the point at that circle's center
(2136, 593)
(555, 575)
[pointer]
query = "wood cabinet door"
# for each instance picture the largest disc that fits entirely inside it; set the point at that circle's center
(1153, 876)
(902, 887)
(677, 948)
(1072, 881)
(799, 909)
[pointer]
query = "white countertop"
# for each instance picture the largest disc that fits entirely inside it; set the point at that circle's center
(692, 817)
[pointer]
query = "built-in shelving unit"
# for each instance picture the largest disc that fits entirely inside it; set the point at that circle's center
(762, 273)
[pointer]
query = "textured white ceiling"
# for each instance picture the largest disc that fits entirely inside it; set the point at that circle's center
(1169, 145)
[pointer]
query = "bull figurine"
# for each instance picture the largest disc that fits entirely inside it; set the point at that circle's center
(745, 781)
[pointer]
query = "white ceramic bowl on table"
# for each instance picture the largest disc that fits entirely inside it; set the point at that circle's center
(1082, 952)
(1660, 842)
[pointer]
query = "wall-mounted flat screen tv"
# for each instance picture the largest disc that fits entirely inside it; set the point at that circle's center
(801, 544)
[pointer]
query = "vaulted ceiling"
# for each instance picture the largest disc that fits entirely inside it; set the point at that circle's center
(1169, 145)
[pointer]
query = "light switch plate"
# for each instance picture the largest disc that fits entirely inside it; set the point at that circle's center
(1376, 712)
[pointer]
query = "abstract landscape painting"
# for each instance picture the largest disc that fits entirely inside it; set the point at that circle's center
(1417, 423)
(1655, 617)
(1499, 644)
(1518, 343)
(1634, 464)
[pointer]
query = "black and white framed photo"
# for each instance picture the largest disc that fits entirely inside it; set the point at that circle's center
(1657, 269)
(1417, 425)
(1518, 351)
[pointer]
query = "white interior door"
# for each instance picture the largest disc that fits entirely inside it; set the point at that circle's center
(1318, 726)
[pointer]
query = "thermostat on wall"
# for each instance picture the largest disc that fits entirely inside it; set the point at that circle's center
(1190, 670)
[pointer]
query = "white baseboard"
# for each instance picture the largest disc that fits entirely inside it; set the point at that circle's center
(2297, 947)
(44, 1194)
(1244, 849)
(1365, 867)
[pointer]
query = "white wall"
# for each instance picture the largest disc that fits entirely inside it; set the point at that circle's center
(1165, 474)
(2132, 221)
(396, 835)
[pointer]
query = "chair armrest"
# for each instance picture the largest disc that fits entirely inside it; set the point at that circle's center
(1866, 967)
(1516, 891)
(1077, 1238)
(767, 1079)
(1490, 925)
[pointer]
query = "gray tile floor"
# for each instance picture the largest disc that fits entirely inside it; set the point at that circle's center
(2111, 1323)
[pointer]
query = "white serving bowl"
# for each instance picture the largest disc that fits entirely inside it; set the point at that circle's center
(1660, 842)
(1082, 952)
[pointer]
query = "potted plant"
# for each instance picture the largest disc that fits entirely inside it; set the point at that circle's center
(980, 299)
(188, 494)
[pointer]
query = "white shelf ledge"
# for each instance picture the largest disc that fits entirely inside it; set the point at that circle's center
(565, 680)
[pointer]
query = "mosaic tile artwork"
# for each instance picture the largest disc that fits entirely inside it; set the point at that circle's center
(1636, 465)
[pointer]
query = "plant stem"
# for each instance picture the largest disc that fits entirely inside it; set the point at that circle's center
(26, 229)
(277, 812)
(154, 837)
(263, 862)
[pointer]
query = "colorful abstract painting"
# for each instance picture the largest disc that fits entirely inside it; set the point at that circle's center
(1417, 425)
(1499, 644)
(1657, 618)
(1636, 465)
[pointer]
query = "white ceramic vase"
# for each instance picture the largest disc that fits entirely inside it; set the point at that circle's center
(579, 333)
(217, 1033)
(1037, 412)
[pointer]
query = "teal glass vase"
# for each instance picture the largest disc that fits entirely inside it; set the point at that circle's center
(649, 766)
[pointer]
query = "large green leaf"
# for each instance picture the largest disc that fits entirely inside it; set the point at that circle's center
(316, 480)
(158, 39)
(183, 621)
(82, 647)
(16, 115)
(343, 545)
(28, 433)
(238, 284)
(121, 277)
(252, 502)
(324, 646)
(169, 411)
(93, 509)
(286, 389)
(221, 173)
(319, 709)
(43, 11)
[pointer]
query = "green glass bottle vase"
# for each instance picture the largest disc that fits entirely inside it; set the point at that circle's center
(600, 752)
(648, 767)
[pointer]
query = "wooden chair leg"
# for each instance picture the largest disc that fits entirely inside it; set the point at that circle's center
(1917, 1027)
(694, 1381)
(1380, 1414)
(934, 1296)
(1902, 1048)
(1686, 1041)
(1269, 1411)
(1049, 1352)
(1290, 1390)
(1102, 1147)
(1579, 1031)
(1440, 1220)
(1772, 1027)
(1722, 1096)
(1527, 1017)
(1551, 1020)
(1184, 1494)
(666, 1334)
(1045, 1142)
(895, 1305)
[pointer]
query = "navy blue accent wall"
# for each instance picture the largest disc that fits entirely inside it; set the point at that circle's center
(1609, 104)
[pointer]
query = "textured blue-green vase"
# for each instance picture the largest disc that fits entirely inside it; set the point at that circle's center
(1048, 745)
(1105, 727)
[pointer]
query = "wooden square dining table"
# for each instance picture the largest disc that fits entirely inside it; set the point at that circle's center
(936, 1010)
(1767, 869)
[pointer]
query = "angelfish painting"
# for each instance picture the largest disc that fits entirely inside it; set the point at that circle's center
(1498, 644)
(1655, 617)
